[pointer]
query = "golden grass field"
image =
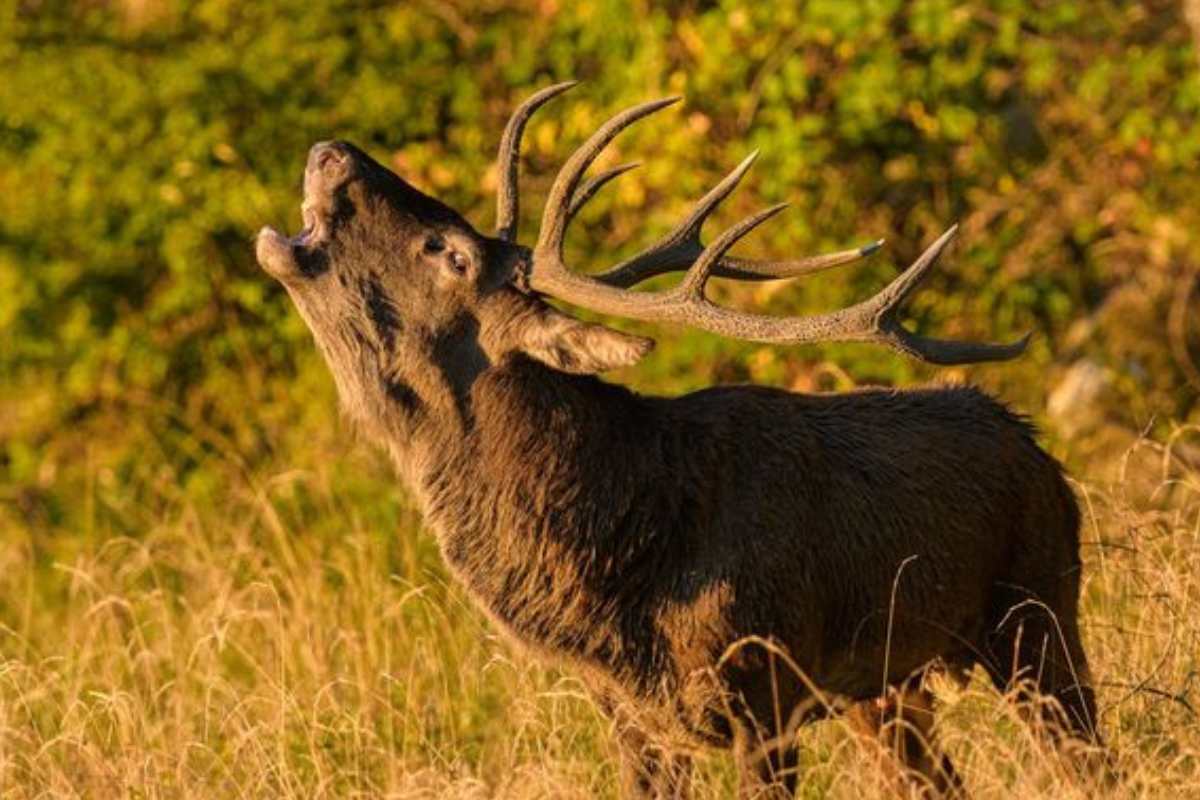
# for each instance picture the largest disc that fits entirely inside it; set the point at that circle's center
(300, 639)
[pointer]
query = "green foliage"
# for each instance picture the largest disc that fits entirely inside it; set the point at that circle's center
(143, 143)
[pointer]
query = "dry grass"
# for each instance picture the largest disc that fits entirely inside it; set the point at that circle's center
(292, 642)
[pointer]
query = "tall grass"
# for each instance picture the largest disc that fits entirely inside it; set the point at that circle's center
(300, 639)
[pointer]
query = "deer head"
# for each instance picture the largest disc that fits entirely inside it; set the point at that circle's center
(408, 302)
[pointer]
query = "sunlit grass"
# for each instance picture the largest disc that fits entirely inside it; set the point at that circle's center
(301, 639)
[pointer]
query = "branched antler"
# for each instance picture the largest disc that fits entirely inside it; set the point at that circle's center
(876, 319)
(675, 251)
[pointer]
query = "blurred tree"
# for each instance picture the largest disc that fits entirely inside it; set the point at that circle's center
(143, 142)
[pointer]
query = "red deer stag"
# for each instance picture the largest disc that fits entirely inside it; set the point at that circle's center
(721, 566)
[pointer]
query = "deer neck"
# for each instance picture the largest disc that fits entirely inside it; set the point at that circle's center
(406, 401)
(509, 504)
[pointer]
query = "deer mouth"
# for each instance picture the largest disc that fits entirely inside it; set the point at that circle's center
(315, 230)
(303, 253)
(277, 251)
(288, 258)
(280, 253)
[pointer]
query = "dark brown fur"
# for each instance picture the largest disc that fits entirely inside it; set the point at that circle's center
(723, 566)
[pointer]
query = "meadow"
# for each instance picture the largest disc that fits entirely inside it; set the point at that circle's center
(211, 587)
(300, 639)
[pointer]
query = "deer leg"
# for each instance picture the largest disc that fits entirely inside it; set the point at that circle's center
(647, 769)
(766, 770)
(902, 722)
(651, 771)
(1037, 655)
(1035, 649)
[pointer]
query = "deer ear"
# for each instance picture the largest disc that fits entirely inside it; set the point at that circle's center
(583, 348)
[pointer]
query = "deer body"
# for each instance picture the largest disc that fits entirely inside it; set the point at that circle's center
(725, 565)
(642, 537)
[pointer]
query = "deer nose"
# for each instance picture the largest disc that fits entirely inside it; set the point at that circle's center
(328, 158)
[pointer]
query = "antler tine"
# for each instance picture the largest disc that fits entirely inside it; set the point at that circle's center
(888, 302)
(558, 204)
(757, 269)
(508, 158)
(593, 185)
(693, 283)
(681, 246)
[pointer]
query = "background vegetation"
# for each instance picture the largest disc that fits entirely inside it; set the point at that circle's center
(207, 589)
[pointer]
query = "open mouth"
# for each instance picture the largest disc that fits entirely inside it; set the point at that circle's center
(315, 230)
(283, 255)
(329, 165)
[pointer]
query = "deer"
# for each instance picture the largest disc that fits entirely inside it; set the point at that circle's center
(723, 567)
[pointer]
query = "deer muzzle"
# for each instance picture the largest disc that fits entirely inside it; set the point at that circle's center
(330, 165)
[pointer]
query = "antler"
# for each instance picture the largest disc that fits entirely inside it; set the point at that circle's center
(873, 320)
(675, 251)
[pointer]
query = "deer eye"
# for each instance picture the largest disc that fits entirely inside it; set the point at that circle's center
(434, 244)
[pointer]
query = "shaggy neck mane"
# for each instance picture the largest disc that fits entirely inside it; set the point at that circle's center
(546, 511)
